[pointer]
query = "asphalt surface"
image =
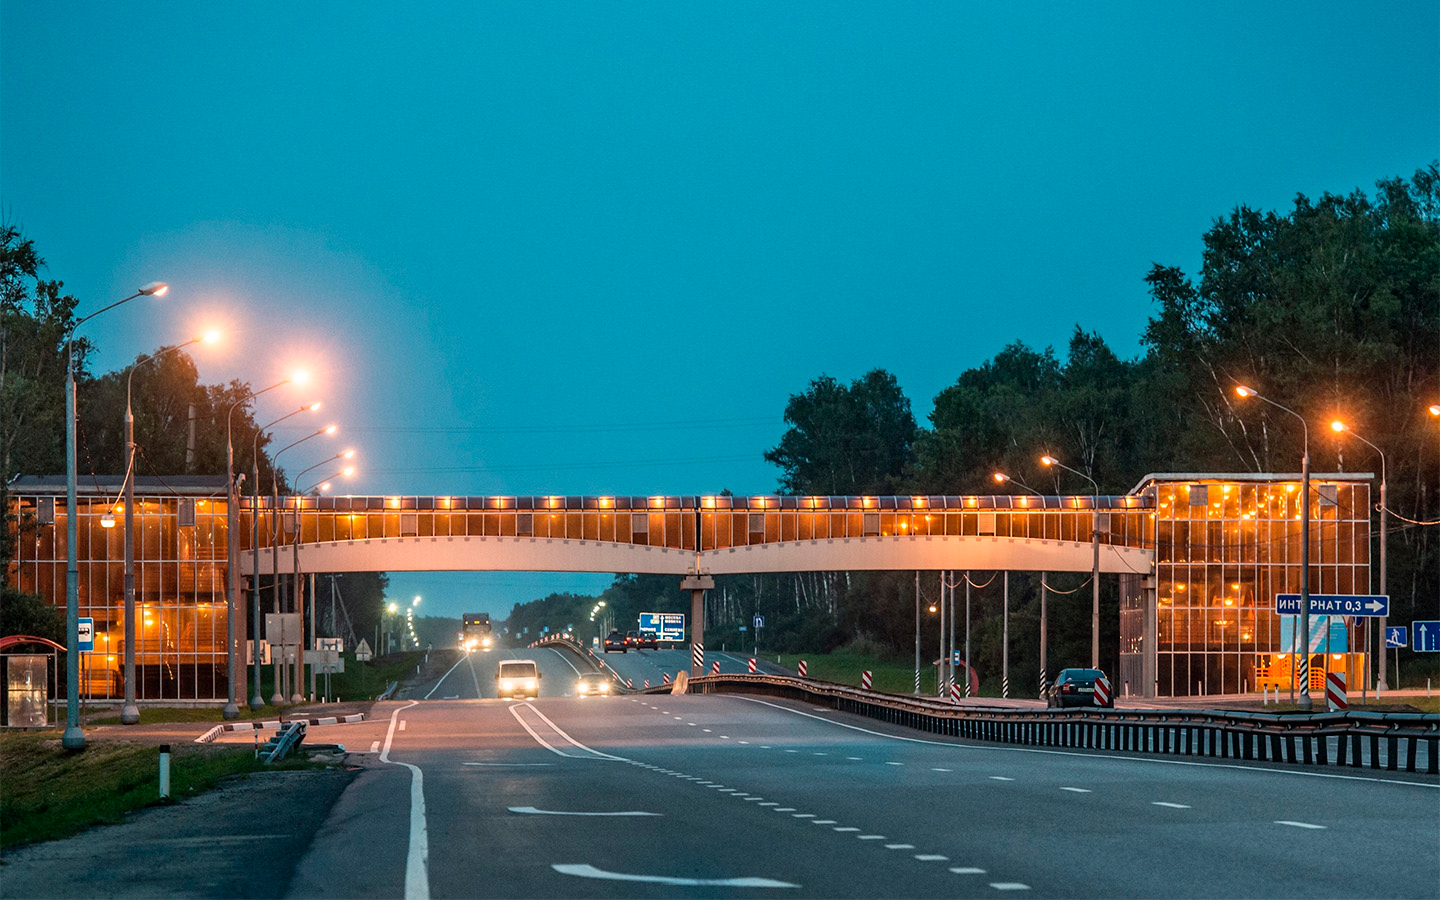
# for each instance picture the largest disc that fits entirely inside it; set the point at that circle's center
(723, 796)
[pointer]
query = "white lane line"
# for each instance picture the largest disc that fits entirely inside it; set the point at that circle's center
(894, 764)
(1304, 773)
(402, 724)
(566, 658)
(1000, 778)
(869, 837)
(792, 751)
(706, 730)
(417, 875)
(583, 870)
(1075, 790)
(818, 753)
(374, 746)
(783, 809)
(507, 765)
(595, 754)
(931, 857)
(854, 758)
(724, 737)
(1169, 805)
(899, 846)
(769, 803)
(744, 742)
(447, 675)
(933, 769)
(822, 822)
(966, 870)
(801, 815)
(1009, 886)
(1301, 825)
(532, 811)
(846, 828)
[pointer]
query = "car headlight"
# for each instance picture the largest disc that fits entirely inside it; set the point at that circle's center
(604, 688)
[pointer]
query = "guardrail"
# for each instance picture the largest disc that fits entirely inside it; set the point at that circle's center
(1352, 739)
(285, 740)
(586, 653)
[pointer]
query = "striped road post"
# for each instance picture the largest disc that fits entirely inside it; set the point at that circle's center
(865, 679)
(750, 666)
(801, 668)
(1335, 691)
(954, 693)
(697, 657)
(715, 667)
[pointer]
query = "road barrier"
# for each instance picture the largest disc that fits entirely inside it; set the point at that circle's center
(1335, 691)
(866, 679)
(750, 666)
(1390, 741)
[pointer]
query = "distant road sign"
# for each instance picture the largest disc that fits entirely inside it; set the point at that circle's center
(759, 622)
(667, 626)
(1335, 604)
(362, 651)
(1395, 636)
(85, 634)
(1427, 636)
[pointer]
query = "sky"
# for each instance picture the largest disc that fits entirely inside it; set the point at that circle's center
(593, 248)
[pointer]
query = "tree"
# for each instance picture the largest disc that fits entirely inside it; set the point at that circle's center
(845, 440)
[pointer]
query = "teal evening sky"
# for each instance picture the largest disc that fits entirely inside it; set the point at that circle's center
(571, 248)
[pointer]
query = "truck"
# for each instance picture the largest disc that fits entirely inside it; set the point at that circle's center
(475, 632)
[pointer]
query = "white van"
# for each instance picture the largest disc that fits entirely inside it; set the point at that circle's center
(518, 678)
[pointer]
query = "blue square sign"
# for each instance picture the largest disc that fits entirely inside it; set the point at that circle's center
(1395, 636)
(1427, 636)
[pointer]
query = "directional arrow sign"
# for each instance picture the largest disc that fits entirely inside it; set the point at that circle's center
(1370, 605)
(1395, 636)
(1427, 636)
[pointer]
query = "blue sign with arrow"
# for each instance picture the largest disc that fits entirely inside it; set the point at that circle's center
(1395, 636)
(1427, 636)
(1335, 604)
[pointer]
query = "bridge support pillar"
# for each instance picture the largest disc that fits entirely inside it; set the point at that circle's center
(697, 585)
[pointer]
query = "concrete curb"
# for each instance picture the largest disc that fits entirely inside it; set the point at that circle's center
(218, 730)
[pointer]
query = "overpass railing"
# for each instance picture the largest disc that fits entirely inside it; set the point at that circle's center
(1389, 741)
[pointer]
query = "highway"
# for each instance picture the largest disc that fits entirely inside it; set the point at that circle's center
(722, 796)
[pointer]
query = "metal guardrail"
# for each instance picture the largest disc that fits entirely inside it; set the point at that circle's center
(1352, 739)
(285, 740)
(389, 691)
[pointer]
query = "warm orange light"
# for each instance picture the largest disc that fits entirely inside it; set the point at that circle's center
(314, 406)
(1000, 477)
(1049, 460)
(300, 376)
(1244, 391)
(331, 429)
(1337, 425)
(348, 454)
(1435, 409)
(348, 471)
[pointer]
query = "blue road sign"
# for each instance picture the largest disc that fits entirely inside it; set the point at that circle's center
(85, 634)
(667, 626)
(759, 621)
(1427, 636)
(1335, 604)
(1395, 636)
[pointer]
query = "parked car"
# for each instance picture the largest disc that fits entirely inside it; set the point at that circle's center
(614, 641)
(1076, 687)
(649, 640)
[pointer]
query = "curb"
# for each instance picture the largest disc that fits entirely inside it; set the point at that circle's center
(218, 730)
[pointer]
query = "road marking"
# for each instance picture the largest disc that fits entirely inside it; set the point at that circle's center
(801, 815)
(783, 809)
(899, 846)
(847, 828)
(402, 724)
(374, 746)
(818, 753)
(755, 800)
(451, 697)
(966, 870)
(1009, 886)
(1000, 778)
(869, 837)
(1301, 825)
(933, 769)
(823, 822)
(744, 742)
(1169, 805)
(706, 730)
(792, 751)
(894, 764)
(532, 811)
(417, 875)
(724, 737)
(1077, 790)
(931, 857)
(595, 754)
(447, 675)
(582, 870)
(769, 803)
(855, 758)
(507, 765)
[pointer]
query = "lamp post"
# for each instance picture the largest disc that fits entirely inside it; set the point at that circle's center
(1341, 427)
(324, 485)
(280, 665)
(1303, 701)
(1095, 565)
(130, 712)
(232, 546)
(256, 700)
(74, 737)
(1002, 478)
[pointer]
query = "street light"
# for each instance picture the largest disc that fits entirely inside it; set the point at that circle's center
(1303, 701)
(1095, 566)
(232, 545)
(1341, 428)
(1002, 478)
(74, 737)
(280, 666)
(130, 712)
(256, 701)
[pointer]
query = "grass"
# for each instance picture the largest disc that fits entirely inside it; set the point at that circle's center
(845, 668)
(47, 792)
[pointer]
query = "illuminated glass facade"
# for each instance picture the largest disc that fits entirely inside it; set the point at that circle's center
(1201, 621)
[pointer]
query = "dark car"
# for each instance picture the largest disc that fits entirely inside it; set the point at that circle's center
(614, 641)
(649, 640)
(1076, 687)
(632, 639)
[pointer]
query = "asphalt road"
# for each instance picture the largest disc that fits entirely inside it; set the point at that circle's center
(724, 796)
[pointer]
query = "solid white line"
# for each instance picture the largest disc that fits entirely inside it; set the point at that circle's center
(1134, 759)
(941, 770)
(1301, 825)
(1169, 805)
(566, 658)
(1077, 790)
(514, 711)
(587, 871)
(931, 857)
(1009, 886)
(530, 810)
(1000, 778)
(417, 859)
(899, 846)
(560, 731)
(869, 837)
(447, 675)
(507, 765)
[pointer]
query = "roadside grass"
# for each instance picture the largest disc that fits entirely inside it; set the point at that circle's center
(845, 668)
(47, 792)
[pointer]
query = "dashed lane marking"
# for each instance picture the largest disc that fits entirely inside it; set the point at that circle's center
(899, 846)
(966, 870)
(869, 837)
(933, 769)
(1301, 825)
(847, 828)
(931, 857)
(1009, 886)
(823, 822)
(1169, 805)
(1000, 778)
(1075, 790)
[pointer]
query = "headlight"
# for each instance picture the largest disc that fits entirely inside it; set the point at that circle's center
(604, 687)
(529, 684)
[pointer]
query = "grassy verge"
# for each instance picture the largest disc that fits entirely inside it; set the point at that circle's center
(48, 793)
(845, 668)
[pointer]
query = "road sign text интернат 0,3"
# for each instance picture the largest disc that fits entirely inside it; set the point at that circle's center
(1335, 604)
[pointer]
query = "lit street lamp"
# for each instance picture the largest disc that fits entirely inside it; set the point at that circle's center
(74, 737)
(1303, 701)
(293, 675)
(232, 546)
(1342, 428)
(130, 712)
(256, 700)
(1095, 566)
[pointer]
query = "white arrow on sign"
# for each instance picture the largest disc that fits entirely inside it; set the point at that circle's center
(1374, 606)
